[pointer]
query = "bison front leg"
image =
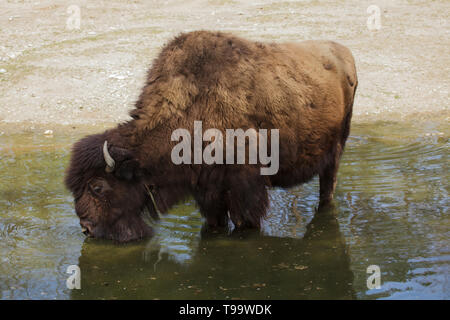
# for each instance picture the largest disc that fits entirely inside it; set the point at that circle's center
(328, 178)
(209, 195)
(213, 208)
(246, 196)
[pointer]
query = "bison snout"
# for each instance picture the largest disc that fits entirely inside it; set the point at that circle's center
(86, 228)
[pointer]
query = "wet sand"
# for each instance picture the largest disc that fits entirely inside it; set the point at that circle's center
(52, 76)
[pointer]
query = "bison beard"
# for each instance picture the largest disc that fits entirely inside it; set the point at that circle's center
(304, 89)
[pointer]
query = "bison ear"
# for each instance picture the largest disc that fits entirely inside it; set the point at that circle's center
(127, 170)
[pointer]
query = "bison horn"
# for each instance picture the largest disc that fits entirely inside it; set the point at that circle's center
(110, 163)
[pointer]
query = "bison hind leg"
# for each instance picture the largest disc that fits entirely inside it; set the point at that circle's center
(328, 177)
(328, 174)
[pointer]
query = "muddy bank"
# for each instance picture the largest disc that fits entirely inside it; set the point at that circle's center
(51, 75)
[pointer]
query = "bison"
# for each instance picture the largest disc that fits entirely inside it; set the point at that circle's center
(305, 90)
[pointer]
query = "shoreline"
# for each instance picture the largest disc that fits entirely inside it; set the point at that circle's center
(437, 119)
(51, 75)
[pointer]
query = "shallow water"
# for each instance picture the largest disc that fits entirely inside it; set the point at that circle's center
(391, 210)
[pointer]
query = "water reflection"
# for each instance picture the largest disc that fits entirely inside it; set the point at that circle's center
(391, 210)
(243, 265)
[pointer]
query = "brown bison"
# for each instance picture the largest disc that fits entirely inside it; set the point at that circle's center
(305, 90)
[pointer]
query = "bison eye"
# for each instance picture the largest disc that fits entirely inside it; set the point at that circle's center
(98, 187)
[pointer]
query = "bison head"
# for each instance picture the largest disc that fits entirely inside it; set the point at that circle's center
(112, 199)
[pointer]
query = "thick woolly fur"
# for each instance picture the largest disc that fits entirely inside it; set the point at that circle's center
(304, 89)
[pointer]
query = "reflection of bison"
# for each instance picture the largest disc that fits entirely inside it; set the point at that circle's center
(303, 89)
(244, 265)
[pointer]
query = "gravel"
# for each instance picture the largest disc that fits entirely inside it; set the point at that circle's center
(51, 74)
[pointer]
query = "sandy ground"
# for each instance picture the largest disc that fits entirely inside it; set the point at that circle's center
(51, 75)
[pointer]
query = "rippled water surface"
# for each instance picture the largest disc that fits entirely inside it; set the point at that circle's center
(391, 210)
